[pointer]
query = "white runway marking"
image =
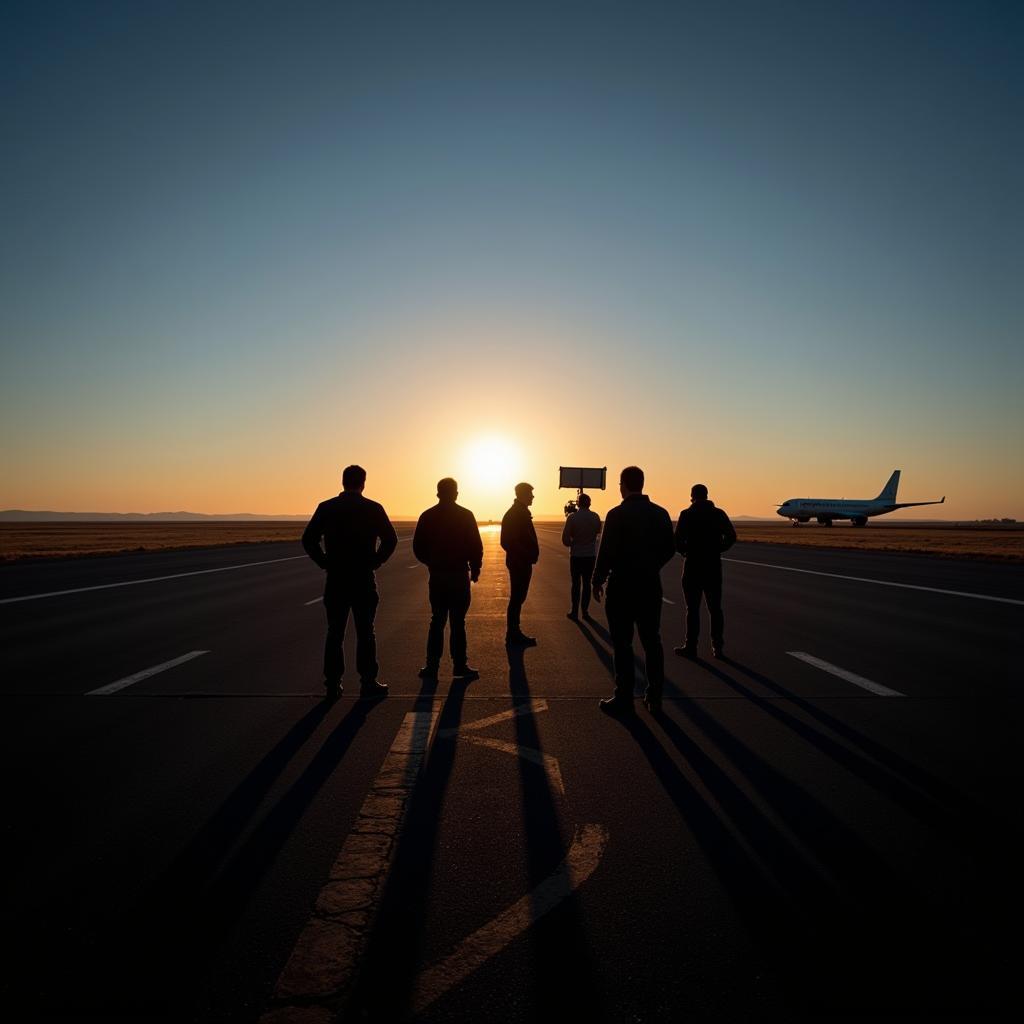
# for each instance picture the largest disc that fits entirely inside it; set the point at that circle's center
(415, 565)
(105, 691)
(880, 583)
(316, 600)
(667, 601)
(329, 948)
(538, 757)
(528, 707)
(580, 863)
(850, 677)
(151, 579)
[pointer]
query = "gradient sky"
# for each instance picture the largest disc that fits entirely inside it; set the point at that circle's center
(776, 247)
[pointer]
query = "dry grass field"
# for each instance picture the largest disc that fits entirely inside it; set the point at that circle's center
(950, 540)
(70, 540)
(74, 540)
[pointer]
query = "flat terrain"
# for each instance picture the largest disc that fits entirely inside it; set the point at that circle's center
(825, 824)
(20, 541)
(949, 540)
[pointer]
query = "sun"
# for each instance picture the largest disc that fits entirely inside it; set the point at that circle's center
(492, 463)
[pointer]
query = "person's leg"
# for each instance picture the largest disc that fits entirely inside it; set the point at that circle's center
(586, 575)
(458, 607)
(620, 624)
(364, 608)
(577, 579)
(438, 618)
(692, 593)
(336, 605)
(648, 624)
(519, 586)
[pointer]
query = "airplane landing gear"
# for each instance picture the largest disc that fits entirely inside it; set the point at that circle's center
(824, 521)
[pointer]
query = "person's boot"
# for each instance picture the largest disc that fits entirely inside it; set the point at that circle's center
(718, 649)
(686, 651)
(333, 688)
(652, 701)
(466, 673)
(428, 672)
(616, 705)
(373, 689)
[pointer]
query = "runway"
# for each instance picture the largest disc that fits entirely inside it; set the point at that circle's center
(825, 823)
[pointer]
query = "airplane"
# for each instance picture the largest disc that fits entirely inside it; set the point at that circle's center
(802, 510)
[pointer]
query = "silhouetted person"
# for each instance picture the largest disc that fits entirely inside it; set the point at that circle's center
(702, 534)
(519, 539)
(447, 541)
(357, 539)
(580, 536)
(636, 544)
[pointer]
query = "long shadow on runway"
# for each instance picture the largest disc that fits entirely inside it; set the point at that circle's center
(383, 990)
(843, 930)
(192, 907)
(916, 790)
(563, 964)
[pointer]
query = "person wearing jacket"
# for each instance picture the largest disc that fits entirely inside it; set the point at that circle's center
(636, 544)
(580, 537)
(350, 537)
(447, 541)
(519, 541)
(702, 534)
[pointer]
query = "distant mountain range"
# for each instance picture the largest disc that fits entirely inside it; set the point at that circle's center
(17, 515)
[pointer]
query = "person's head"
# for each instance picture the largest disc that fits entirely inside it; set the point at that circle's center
(584, 501)
(447, 489)
(524, 493)
(631, 481)
(353, 478)
(698, 492)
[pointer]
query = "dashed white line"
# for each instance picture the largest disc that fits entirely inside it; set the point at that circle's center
(151, 579)
(842, 673)
(106, 691)
(667, 601)
(880, 583)
(316, 600)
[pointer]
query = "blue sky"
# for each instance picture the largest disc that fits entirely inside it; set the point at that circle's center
(774, 245)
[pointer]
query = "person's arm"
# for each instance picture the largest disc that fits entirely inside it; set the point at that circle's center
(598, 534)
(666, 547)
(476, 548)
(567, 532)
(388, 539)
(506, 531)
(311, 538)
(531, 540)
(681, 537)
(420, 542)
(728, 532)
(605, 554)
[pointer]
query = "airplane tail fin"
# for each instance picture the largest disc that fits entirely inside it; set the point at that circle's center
(888, 495)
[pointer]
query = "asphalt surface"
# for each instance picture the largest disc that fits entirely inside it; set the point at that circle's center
(780, 842)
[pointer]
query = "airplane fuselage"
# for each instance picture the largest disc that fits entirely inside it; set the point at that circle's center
(825, 510)
(803, 510)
